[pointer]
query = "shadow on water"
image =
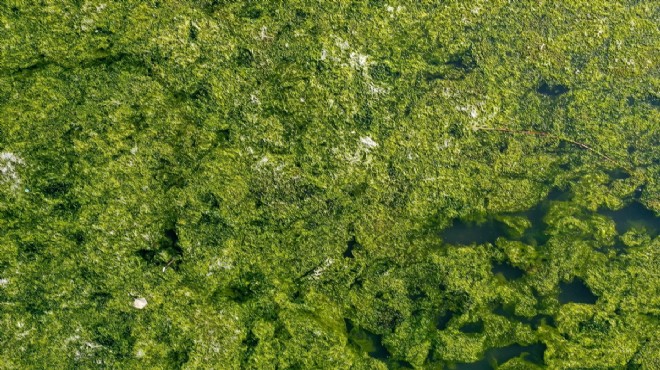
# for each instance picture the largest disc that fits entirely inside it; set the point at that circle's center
(576, 291)
(634, 215)
(497, 356)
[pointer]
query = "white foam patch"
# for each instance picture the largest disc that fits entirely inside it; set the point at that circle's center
(8, 174)
(368, 142)
(358, 60)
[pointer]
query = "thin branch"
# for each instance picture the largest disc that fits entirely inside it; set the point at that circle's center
(168, 264)
(557, 137)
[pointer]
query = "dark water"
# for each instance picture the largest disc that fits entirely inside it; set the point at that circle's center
(465, 233)
(350, 246)
(551, 90)
(509, 272)
(497, 356)
(472, 327)
(619, 247)
(366, 341)
(442, 320)
(576, 291)
(535, 322)
(461, 232)
(634, 215)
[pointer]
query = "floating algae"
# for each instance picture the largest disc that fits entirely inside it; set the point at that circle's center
(328, 185)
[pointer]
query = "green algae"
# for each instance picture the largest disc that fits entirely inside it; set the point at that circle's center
(221, 159)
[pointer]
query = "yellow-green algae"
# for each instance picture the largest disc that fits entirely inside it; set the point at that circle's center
(274, 179)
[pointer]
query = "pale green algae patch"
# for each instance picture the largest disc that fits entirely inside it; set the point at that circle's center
(218, 184)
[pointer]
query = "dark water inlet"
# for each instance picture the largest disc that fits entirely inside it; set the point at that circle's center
(472, 327)
(634, 215)
(350, 246)
(576, 291)
(535, 322)
(464, 233)
(507, 270)
(442, 320)
(497, 356)
(366, 341)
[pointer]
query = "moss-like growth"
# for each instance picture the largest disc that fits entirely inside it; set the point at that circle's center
(279, 183)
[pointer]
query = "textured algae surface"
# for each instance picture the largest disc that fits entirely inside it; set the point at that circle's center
(329, 184)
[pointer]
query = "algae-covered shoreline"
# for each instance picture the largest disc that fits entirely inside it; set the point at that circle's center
(329, 185)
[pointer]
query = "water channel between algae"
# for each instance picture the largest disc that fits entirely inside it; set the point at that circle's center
(353, 184)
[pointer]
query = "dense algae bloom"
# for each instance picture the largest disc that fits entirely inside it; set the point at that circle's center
(329, 185)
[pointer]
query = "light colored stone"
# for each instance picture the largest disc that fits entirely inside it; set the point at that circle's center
(140, 303)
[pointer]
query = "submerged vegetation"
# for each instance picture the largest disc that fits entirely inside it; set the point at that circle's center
(329, 185)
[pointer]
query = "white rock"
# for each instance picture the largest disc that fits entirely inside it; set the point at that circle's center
(140, 303)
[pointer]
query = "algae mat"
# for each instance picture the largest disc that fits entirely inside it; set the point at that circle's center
(329, 184)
